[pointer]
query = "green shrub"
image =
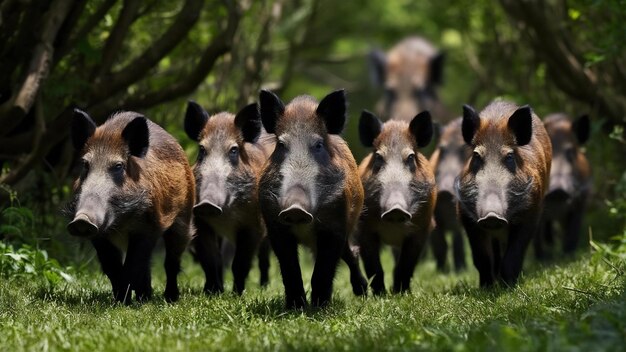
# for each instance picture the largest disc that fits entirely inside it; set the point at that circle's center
(31, 263)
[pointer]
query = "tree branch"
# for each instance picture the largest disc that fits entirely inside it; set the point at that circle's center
(220, 45)
(116, 38)
(39, 66)
(110, 85)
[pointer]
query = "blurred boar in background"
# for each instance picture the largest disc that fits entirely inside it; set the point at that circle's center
(502, 185)
(135, 187)
(231, 152)
(570, 183)
(447, 161)
(409, 74)
(310, 192)
(400, 195)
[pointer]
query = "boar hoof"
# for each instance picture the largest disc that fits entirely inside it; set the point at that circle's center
(207, 209)
(492, 221)
(397, 215)
(295, 215)
(82, 226)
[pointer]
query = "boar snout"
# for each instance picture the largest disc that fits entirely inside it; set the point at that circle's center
(394, 208)
(207, 209)
(492, 221)
(82, 226)
(295, 215)
(295, 207)
(396, 215)
(558, 195)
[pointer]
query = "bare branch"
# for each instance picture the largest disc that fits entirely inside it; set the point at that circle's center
(110, 85)
(39, 66)
(116, 39)
(220, 45)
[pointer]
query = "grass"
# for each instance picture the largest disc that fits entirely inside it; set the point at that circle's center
(578, 305)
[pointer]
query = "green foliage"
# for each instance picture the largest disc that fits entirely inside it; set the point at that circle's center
(27, 263)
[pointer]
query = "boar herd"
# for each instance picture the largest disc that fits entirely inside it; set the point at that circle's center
(275, 176)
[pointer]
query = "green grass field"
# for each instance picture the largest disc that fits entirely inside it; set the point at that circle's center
(578, 305)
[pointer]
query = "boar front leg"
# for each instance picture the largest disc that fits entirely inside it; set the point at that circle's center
(242, 262)
(286, 249)
(458, 249)
(482, 252)
(513, 259)
(110, 258)
(137, 265)
(176, 241)
(264, 260)
(409, 255)
(330, 245)
(370, 252)
(439, 246)
(571, 228)
(208, 253)
(358, 282)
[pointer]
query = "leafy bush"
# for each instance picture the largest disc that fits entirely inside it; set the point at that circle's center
(31, 263)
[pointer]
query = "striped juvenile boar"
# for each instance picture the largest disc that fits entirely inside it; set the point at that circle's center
(232, 151)
(447, 161)
(400, 195)
(135, 187)
(502, 185)
(310, 192)
(570, 183)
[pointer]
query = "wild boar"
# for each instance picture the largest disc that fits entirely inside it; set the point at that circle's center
(502, 185)
(447, 161)
(310, 192)
(400, 195)
(570, 183)
(410, 74)
(232, 150)
(135, 187)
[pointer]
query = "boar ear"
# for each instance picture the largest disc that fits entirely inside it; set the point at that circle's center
(436, 69)
(377, 62)
(369, 128)
(137, 136)
(195, 119)
(470, 124)
(332, 109)
(582, 128)
(270, 107)
(83, 128)
(421, 127)
(248, 121)
(521, 124)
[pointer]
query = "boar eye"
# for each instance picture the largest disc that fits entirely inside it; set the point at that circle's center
(570, 153)
(410, 159)
(318, 146)
(233, 154)
(201, 153)
(476, 162)
(85, 168)
(379, 161)
(509, 161)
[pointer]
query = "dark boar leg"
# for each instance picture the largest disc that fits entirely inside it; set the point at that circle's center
(330, 246)
(137, 265)
(111, 262)
(409, 255)
(242, 261)
(513, 259)
(458, 250)
(359, 283)
(370, 252)
(176, 241)
(440, 247)
(264, 260)
(208, 252)
(571, 228)
(286, 249)
(538, 241)
(482, 252)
